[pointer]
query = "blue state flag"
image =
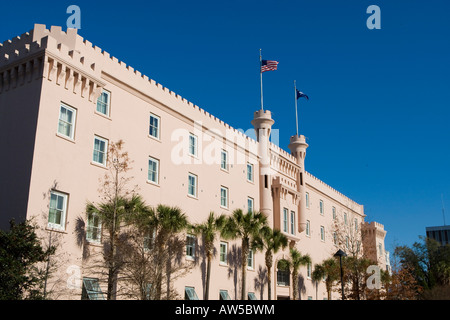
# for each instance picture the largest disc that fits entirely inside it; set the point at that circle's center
(301, 95)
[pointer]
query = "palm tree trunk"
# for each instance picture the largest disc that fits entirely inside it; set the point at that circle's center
(328, 291)
(208, 276)
(269, 262)
(245, 250)
(111, 266)
(269, 283)
(294, 284)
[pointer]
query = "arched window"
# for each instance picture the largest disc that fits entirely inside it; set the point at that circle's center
(283, 273)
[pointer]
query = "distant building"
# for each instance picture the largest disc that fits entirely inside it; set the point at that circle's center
(441, 234)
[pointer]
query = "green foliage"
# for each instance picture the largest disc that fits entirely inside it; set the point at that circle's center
(247, 227)
(20, 254)
(296, 261)
(429, 263)
(209, 230)
(271, 240)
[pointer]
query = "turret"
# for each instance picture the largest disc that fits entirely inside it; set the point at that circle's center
(262, 122)
(298, 148)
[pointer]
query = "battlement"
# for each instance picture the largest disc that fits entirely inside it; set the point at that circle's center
(333, 193)
(96, 63)
(18, 48)
(277, 150)
(375, 225)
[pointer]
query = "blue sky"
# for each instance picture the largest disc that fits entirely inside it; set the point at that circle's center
(377, 121)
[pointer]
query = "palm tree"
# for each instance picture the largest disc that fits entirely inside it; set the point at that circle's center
(272, 240)
(160, 224)
(328, 269)
(209, 230)
(247, 227)
(113, 215)
(332, 271)
(297, 260)
(317, 275)
(166, 222)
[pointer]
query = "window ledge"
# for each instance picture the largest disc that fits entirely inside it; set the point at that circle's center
(94, 243)
(99, 165)
(153, 183)
(65, 137)
(55, 229)
(103, 115)
(154, 138)
(192, 197)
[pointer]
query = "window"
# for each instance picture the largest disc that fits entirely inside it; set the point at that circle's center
(223, 253)
(308, 228)
(346, 242)
(189, 293)
(307, 200)
(322, 233)
(251, 296)
(250, 259)
(148, 291)
(249, 172)
(356, 225)
(94, 228)
(224, 197)
(250, 202)
(190, 246)
(153, 170)
(308, 271)
(103, 103)
(285, 220)
(100, 149)
(334, 213)
(154, 127)
(223, 295)
(149, 240)
(292, 222)
(192, 185)
(380, 249)
(192, 144)
(91, 290)
(66, 123)
(335, 241)
(283, 273)
(321, 207)
(57, 210)
(345, 218)
(224, 160)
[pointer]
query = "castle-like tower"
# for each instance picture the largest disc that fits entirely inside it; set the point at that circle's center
(298, 148)
(263, 122)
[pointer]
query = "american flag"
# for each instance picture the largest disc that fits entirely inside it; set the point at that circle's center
(268, 65)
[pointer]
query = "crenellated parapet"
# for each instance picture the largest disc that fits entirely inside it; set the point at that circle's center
(319, 185)
(20, 62)
(39, 54)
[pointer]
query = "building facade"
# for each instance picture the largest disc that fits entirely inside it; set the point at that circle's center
(63, 101)
(440, 233)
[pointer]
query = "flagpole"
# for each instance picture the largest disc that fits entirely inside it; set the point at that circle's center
(295, 97)
(260, 74)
